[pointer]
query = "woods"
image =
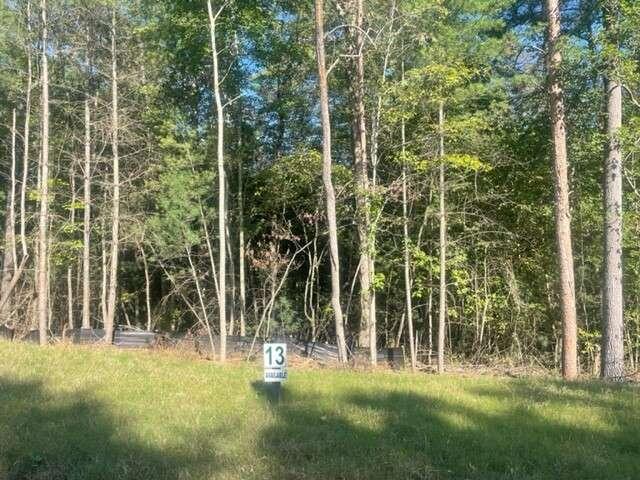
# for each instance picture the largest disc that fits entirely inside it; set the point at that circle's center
(457, 178)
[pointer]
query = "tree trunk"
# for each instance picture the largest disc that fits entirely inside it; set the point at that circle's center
(241, 250)
(42, 283)
(25, 153)
(562, 207)
(222, 210)
(442, 311)
(375, 129)
(72, 219)
(115, 220)
(231, 302)
(147, 286)
(86, 227)
(367, 334)
(407, 256)
(10, 254)
(613, 321)
(105, 273)
(327, 181)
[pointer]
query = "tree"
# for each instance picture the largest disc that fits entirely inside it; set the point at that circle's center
(86, 225)
(562, 207)
(613, 307)
(407, 248)
(442, 292)
(330, 201)
(109, 320)
(367, 335)
(42, 283)
(26, 136)
(222, 209)
(9, 264)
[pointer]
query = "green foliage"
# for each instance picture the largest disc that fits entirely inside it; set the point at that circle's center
(178, 190)
(466, 162)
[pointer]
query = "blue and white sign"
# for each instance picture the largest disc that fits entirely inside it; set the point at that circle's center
(275, 362)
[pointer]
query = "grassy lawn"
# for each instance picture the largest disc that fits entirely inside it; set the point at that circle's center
(70, 413)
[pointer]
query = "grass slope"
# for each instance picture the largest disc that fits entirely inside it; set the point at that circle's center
(69, 413)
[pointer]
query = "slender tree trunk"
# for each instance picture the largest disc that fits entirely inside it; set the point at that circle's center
(442, 312)
(147, 286)
(375, 129)
(86, 227)
(42, 283)
(72, 219)
(327, 181)
(10, 254)
(104, 259)
(407, 257)
(231, 303)
(222, 209)
(613, 308)
(241, 250)
(430, 323)
(562, 206)
(194, 274)
(115, 220)
(367, 334)
(25, 153)
(207, 237)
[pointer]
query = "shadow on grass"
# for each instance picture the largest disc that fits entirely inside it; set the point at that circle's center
(57, 436)
(512, 430)
(271, 393)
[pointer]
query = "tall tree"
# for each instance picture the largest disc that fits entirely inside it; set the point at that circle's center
(86, 226)
(10, 255)
(329, 193)
(562, 207)
(613, 308)
(406, 244)
(115, 209)
(442, 310)
(367, 335)
(27, 125)
(42, 282)
(222, 209)
(241, 249)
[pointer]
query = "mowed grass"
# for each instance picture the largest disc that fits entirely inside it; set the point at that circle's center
(73, 413)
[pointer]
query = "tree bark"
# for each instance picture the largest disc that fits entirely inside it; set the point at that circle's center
(25, 153)
(104, 259)
(72, 219)
(241, 250)
(10, 254)
(42, 283)
(367, 334)
(222, 210)
(407, 255)
(562, 206)
(231, 301)
(327, 181)
(147, 286)
(613, 308)
(86, 227)
(115, 220)
(613, 328)
(442, 311)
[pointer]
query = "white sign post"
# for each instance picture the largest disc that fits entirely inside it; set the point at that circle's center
(275, 362)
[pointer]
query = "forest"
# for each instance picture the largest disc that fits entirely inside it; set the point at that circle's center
(456, 177)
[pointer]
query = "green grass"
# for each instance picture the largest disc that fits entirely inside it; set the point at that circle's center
(70, 413)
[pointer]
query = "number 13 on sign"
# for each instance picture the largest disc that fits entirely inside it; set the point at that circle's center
(275, 362)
